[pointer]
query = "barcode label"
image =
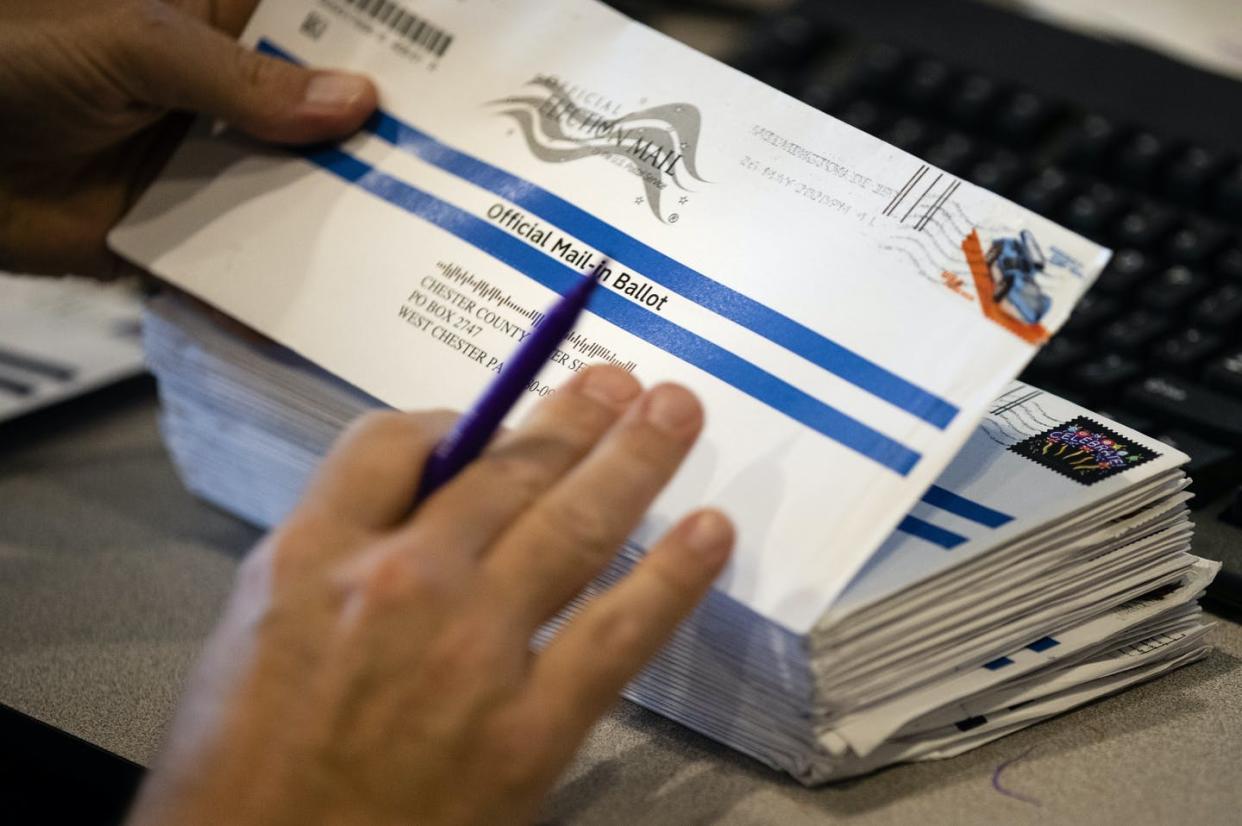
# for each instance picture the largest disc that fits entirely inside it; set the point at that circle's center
(405, 25)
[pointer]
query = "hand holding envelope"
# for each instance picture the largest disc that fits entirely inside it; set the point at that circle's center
(86, 91)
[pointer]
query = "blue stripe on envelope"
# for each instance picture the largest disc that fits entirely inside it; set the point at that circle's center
(611, 306)
(959, 505)
(712, 295)
(931, 533)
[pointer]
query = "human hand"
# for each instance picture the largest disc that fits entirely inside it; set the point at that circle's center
(86, 92)
(373, 665)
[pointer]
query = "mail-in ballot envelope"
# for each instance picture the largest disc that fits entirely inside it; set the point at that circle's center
(844, 310)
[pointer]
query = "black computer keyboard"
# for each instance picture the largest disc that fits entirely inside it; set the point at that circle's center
(1131, 149)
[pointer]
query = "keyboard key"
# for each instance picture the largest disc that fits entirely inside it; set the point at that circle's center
(1225, 374)
(1092, 312)
(1104, 374)
(1022, 118)
(1185, 349)
(925, 85)
(1088, 143)
(787, 41)
(997, 171)
(1126, 270)
(1222, 307)
(1213, 467)
(1133, 330)
(909, 133)
(1046, 191)
(952, 153)
(1143, 226)
(878, 69)
(971, 103)
(865, 115)
(825, 95)
(1173, 288)
(1187, 177)
(1089, 211)
(1193, 242)
(1136, 160)
(1190, 406)
(1056, 357)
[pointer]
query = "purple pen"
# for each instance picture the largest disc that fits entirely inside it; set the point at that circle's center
(476, 428)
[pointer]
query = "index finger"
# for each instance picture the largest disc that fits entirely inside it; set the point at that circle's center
(369, 478)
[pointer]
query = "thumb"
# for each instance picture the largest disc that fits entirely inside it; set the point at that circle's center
(179, 62)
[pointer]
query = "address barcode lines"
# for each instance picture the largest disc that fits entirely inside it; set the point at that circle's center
(407, 26)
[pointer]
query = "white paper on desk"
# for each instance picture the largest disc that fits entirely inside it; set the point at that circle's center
(63, 337)
(826, 295)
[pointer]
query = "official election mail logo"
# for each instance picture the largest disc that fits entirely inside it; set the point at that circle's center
(656, 145)
(1083, 450)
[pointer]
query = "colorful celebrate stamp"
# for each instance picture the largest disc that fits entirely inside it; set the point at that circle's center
(1083, 450)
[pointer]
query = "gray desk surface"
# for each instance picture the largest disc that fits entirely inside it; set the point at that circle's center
(111, 575)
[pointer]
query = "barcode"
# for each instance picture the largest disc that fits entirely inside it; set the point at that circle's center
(405, 25)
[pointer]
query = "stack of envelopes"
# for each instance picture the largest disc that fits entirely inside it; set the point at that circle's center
(1034, 576)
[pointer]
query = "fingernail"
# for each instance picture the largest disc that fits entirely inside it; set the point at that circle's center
(332, 90)
(710, 536)
(610, 386)
(672, 409)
